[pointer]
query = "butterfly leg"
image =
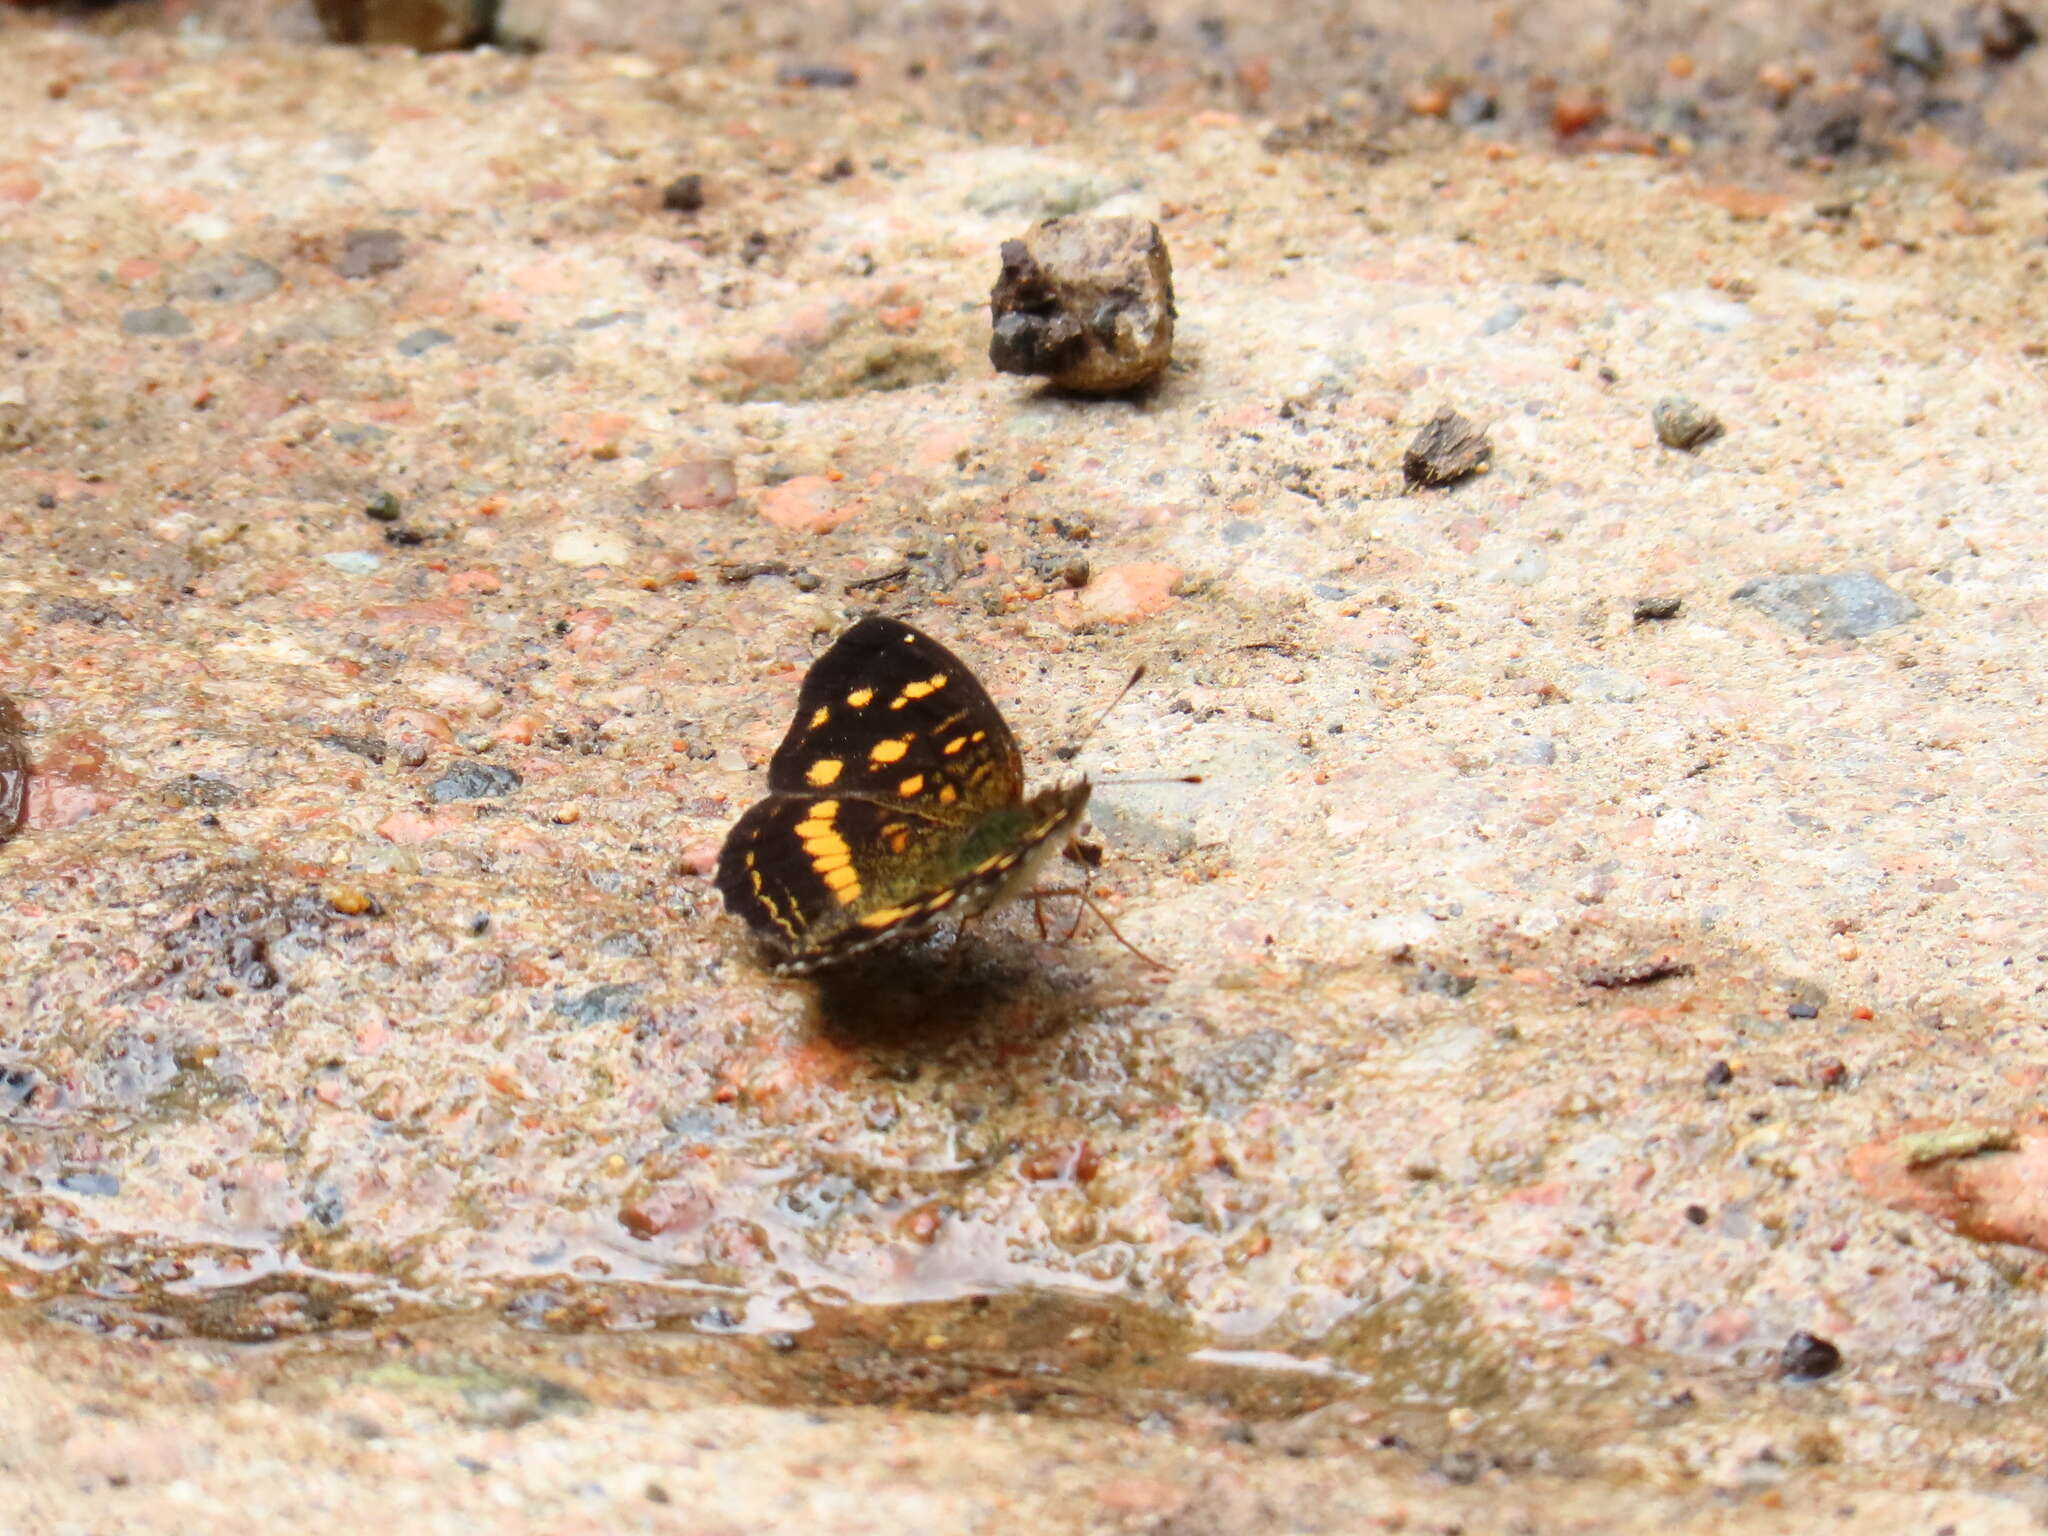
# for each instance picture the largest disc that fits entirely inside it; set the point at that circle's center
(1080, 911)
(1088, 904)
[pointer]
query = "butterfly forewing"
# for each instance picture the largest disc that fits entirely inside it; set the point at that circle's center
(889, 714)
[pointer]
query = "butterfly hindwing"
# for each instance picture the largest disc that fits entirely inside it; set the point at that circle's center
(817, 875)
(890, 714)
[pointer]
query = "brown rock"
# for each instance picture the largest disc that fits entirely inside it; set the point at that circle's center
(13, 768)
(1684, 423)
(428, 25)
(663, 1211)
(1086, 303)
(1446, 450)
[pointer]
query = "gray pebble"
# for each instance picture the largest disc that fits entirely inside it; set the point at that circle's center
(473, 781)
(424, 339)
(1503, 319)
(160, 321)
(1908, 44)
(601, 1004)
(366, 252)
(228, 279)
(1844, 606)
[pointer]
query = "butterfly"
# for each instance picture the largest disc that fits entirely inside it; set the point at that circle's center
(895, 801)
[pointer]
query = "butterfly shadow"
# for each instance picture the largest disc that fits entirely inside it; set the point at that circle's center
(931, 999)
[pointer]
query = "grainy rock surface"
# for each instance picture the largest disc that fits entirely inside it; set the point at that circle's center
(1564, 1004)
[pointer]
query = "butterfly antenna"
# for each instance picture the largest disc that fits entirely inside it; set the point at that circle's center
(1073, 749)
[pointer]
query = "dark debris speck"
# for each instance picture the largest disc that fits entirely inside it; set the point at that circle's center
(684, 195)
(1808, 1357)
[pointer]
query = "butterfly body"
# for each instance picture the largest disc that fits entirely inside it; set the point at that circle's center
(895, 802)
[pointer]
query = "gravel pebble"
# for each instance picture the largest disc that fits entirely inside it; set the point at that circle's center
(1684, 423)
(474, 781)
(1446, 450)
(367, 252)
(228, 280)
(163, 320)
(1844, 606)
(1808, 1357)
(1086, 303)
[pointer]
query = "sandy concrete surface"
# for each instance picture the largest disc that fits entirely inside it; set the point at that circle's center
(1598, 1088)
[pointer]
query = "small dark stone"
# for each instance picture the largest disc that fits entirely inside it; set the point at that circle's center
(829, 76)
(474, 781)
(1650, 610)
(366, 252)
(1808, 1357)
(1696, 1214)
(80, 610)
(1838, 133)
(1446, 450)
(160, 321)
(362, 746)
(2006, 33)
(1473, 106)
(1684, 423)
(1075, 573)
(806, 581)
(1802, 1011)
(1461, 1467)
(197, 789)
(601, 1004)
(406, 538)
(1720, 1075)
(326, 1208)
(1909, 45)
(382, 507)
(425, 339)
(1443, 983)
(248, 961)
(684, 195)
